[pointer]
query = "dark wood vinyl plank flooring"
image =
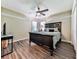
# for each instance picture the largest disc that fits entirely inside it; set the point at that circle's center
(22, 50)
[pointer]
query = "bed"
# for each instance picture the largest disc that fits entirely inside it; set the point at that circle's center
(50, 38)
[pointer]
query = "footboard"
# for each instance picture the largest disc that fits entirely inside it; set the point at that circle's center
(46, 40)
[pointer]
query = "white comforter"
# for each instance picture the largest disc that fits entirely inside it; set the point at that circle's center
(56, 36)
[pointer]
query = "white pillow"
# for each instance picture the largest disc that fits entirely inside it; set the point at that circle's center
(56, 29)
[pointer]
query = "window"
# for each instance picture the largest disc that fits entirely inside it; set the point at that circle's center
(34, 26)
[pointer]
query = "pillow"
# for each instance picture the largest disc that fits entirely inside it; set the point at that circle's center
(55, 29)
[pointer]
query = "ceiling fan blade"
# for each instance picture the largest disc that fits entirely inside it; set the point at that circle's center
(42, 13)
(44, 10)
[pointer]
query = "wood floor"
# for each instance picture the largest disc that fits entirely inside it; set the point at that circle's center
(22, 50)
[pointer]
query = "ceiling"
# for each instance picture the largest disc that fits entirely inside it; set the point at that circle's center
(28, 7)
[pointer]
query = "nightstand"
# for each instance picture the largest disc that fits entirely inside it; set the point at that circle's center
(9, 48)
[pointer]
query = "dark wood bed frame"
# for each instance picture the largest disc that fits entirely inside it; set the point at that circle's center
(45, 39)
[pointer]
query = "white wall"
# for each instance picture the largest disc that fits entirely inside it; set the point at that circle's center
(74, 22)
(19, 26)
(65, 18)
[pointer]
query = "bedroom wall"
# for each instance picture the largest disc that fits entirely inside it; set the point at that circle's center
(74, 25)
(65, 18)
(16, 24)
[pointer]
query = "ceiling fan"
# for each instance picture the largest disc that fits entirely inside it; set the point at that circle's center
(41, 11)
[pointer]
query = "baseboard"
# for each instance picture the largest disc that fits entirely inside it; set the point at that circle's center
(28, 39)
(67, 41)
(15, 40)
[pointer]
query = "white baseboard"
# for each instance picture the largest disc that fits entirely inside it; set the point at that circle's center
(67, 41)
(28, 39)
(15, 40)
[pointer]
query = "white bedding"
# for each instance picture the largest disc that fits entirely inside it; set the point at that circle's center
(56, 36)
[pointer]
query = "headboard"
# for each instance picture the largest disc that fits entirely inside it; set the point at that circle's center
(54, 25)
